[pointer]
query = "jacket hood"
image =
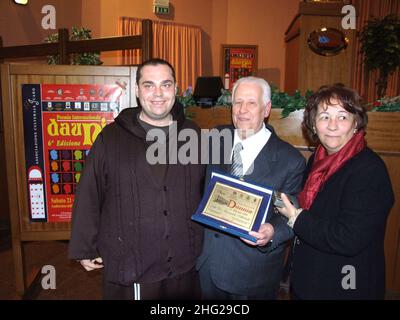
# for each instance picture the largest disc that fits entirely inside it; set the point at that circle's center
(127, 119)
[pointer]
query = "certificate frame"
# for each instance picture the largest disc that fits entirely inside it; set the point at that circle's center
(250, 209)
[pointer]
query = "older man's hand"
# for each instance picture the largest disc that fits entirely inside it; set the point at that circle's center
(264, 235)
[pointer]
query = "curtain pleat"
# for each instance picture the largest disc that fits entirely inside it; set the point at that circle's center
(180, 45)
(129, 27)
(364, 82)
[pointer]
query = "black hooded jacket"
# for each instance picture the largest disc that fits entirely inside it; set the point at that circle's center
(139, 224)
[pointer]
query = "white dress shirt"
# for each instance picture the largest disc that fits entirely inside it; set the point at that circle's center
(251, 147)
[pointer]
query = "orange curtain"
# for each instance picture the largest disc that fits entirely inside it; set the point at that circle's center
(364, 82)
(180, 45)
(130, 27)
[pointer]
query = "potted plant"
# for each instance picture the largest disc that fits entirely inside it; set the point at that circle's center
(380, 44)
(87, 58)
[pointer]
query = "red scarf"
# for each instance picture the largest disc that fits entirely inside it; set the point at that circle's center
(324, 166)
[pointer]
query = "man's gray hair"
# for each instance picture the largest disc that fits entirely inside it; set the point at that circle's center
(260, 81)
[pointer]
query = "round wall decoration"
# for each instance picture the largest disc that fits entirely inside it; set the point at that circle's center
(327, 41)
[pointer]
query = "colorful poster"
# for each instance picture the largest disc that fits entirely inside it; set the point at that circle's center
(61, 123)
(239, 62)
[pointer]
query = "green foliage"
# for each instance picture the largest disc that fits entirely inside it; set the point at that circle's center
(225, 99)
(281, 100)
(186, 98)
(380, 44)
(87, 58)
(387, 105)
(287, 102)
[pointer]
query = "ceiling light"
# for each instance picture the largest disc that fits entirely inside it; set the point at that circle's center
(22, 2)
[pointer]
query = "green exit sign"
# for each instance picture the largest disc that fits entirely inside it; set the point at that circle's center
(161, 10)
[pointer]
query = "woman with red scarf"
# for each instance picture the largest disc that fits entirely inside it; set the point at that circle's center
(338, 251)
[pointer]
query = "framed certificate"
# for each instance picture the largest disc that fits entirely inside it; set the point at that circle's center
(233, 206)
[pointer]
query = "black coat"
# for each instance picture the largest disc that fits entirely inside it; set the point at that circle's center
(342, 234)
(141, 227)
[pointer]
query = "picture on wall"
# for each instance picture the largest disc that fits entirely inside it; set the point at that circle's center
(238, 61)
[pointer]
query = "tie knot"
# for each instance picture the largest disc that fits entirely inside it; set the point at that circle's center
(238, 147)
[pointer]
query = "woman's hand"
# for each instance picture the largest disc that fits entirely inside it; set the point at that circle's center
(288, 210)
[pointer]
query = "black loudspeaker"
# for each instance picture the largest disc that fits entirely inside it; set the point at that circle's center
(207, 91)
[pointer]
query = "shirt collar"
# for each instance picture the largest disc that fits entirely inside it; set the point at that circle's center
(258, 138)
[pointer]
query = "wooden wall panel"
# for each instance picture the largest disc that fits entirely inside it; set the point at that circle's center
(316, 70)
(292, 65)
(4, 208)
(392, 238)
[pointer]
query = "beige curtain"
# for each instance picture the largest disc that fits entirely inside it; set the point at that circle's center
(180, 45)
(363, 82)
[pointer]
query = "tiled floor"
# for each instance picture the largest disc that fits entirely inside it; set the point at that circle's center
(72, 281)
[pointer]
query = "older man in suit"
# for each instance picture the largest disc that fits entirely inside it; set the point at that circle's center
(233, 268)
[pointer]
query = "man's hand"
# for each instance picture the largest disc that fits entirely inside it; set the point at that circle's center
(264, 235)
(93, 264)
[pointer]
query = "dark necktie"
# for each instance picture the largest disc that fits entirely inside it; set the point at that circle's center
(237, 164)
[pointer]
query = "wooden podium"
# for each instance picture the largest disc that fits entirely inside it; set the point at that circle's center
(305, 69)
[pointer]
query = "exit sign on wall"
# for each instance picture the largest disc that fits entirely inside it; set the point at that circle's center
(161, 6)
(161, 10)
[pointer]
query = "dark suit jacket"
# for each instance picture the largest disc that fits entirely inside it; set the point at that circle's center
(242, 269)
(344, 231)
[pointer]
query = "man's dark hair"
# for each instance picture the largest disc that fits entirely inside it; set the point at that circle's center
(153, 62)
(347, 98)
